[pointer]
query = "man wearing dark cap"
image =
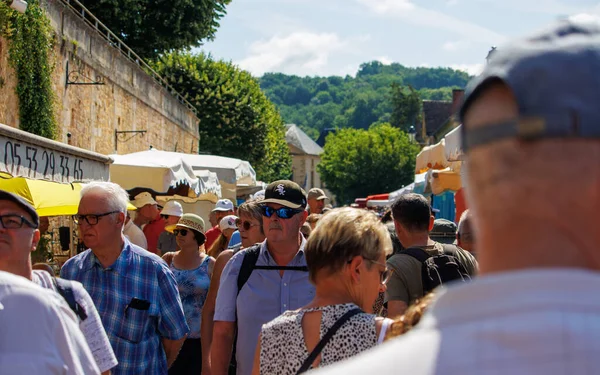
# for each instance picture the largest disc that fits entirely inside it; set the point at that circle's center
(443, 231)
(413, 221)
(276, 279)
(531, 125)
(316, 200)
(45, 344)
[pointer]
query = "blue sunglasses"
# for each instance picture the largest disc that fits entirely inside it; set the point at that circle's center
(282, 213)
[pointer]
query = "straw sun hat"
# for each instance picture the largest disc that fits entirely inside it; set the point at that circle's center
(190, 221)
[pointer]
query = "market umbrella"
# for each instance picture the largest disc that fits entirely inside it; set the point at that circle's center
(48, 198)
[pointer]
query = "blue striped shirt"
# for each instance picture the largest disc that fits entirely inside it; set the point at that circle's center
(134, 331)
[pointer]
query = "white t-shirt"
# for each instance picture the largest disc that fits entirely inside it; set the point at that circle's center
(39, 333)
(92, 327)
(135, 235)
(527, 322)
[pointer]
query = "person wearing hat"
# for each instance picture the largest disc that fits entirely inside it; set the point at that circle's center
(443, 231)
(149, 214)
(531, 140)
(134, 290)
(280, 284)
(171, 213)
(316, 200)
(192, 268)
(134, 234)
(223, 208)
(19, 235)
(227, 226)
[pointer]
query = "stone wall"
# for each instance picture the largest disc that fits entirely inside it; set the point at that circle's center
(129, 99)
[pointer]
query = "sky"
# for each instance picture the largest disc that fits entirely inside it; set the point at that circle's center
(333, 37)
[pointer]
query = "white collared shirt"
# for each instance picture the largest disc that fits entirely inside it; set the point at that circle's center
(526, 322)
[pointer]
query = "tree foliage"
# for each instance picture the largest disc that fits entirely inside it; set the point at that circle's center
(316, 103)
(358, 162)
(236, 118)
(151, 27)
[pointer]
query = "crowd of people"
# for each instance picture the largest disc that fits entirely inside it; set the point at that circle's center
(284, 284)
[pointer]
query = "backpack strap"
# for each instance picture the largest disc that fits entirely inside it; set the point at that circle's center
(317, 350)
(451, 250)
(64, 288)
(248, 265)
(417, 253)
(283, 268)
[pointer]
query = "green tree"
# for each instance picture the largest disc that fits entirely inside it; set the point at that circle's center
(406, 107)
(151, 27)
(236, 118)
(357, 162)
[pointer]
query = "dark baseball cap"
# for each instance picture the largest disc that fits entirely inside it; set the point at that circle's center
(21, 202)
(554, 78)
(286, 193)
(443, 231)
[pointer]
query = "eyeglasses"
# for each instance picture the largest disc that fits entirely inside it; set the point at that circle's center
(384, 275)
(246, 225)
(91, 219)
(282, 213)
(183, 232)
(15, 222)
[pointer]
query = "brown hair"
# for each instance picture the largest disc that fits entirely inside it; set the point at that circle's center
(218, 246)
(410, 318)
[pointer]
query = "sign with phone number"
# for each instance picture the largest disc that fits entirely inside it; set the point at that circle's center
(23, 159)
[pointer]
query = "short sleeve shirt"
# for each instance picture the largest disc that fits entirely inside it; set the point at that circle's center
(92, 327)
(152, 231)
(405, 283)
(265, 296)
(211, 236)
(138, 302)
(166, 243)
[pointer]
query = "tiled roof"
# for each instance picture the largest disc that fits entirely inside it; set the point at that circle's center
(297, 138)
(436, 113)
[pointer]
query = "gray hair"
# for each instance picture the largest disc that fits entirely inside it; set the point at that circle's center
(466, 215)
(117, 197)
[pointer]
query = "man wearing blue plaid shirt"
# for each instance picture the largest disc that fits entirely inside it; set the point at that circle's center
(134, 291)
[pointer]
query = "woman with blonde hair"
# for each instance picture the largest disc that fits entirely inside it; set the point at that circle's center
(227, 225)
(345, 255)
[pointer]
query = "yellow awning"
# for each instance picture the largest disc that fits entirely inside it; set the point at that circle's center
(48, 198)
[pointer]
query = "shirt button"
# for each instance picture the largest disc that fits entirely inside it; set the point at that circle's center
(284, 305)
(284, 284)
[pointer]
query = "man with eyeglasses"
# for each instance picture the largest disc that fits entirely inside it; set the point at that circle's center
(263, 281)
(39, 333)
(19, 219)
(134, 290)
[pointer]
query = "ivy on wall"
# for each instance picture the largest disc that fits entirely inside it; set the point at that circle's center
(31, 40)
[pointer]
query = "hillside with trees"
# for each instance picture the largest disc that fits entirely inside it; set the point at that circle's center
(375, 95)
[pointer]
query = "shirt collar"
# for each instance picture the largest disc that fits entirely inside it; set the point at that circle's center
(299, 255)
(119, 266)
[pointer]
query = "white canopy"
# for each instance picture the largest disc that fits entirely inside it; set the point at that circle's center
(453, 147)
(405, 190)
(153, 169)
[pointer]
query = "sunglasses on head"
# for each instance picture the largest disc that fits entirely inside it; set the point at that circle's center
(282, 213)
(246, 225)
(183, 232)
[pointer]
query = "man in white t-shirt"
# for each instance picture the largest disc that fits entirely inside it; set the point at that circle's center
(531, 136)
(38, 332)
(17, 239)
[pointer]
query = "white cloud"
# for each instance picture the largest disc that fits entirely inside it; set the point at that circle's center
(585, 18)
(384, 60)
(472, 69)
(411, 13)
(302, 53)
(451, 2)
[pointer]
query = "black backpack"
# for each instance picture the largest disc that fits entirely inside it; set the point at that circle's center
(439, 268)
(249, 265)
(64, 288)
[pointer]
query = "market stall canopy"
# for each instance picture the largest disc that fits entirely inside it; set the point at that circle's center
(23, 154)
(155, 170)
(209, 185)
(47, 197)
(432, 157)
(453, 145)
(444, 180)
(405, 190)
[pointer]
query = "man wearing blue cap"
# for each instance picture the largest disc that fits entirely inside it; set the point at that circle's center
(532, 140)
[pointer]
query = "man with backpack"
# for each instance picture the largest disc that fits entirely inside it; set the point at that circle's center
(424, 264)
(263, 281)
(17, 215)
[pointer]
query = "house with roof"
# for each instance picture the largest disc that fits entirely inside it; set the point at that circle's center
(306, 155)
(439, 118)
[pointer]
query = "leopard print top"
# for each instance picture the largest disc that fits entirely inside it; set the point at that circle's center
(283, 349)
